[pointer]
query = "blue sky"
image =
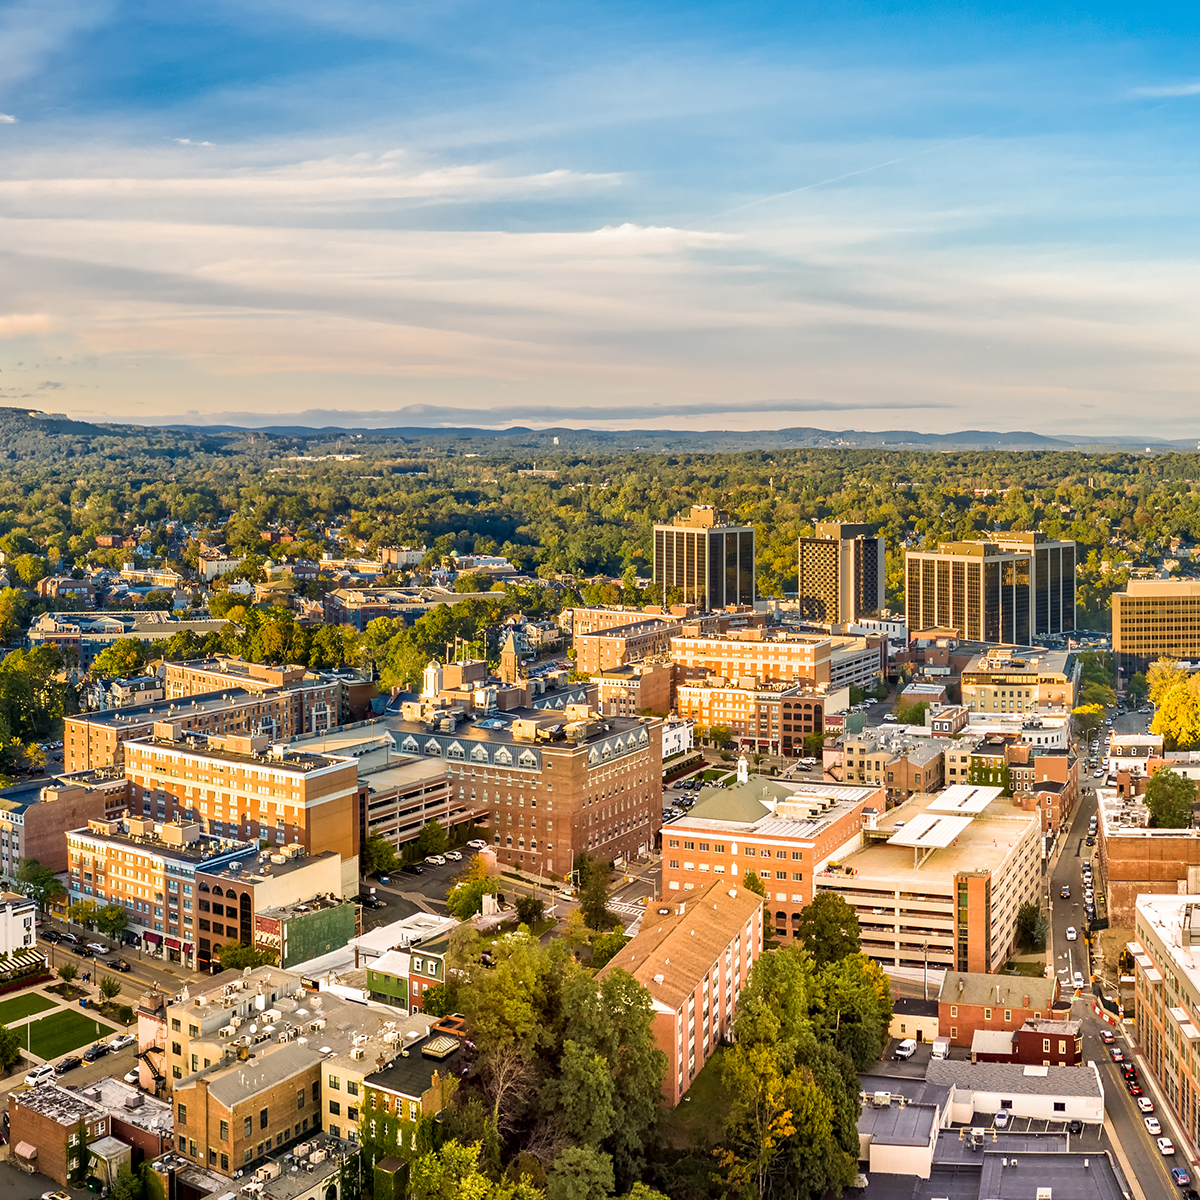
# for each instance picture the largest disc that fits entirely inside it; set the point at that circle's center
(842, 215)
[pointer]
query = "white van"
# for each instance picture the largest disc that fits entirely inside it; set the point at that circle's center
(906, 1049)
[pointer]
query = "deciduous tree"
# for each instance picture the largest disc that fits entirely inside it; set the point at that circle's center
(1171, 799)
(829, 928)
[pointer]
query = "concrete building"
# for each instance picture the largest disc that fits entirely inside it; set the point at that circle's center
(704, 560)
(1008, 590)
(79, 637)
(249, 788)
(787, 833)
(1028, 679)
(939, 880)
(1152, 618)
(902, 765)
(971, 1001)
(1135, 860)
(842, 573)
(775, 717)
(1166, 994)
(693, 955)
(1041, 1093)
(555, 785)
(628, 691)
(306, 929)
(621, 645)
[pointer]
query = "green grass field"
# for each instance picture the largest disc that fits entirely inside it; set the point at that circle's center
(67, 1029)
(23, 1006)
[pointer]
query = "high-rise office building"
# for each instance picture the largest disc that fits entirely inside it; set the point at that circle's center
(1155, 617)
(708, 563)
(1008, 590)
(841, 573)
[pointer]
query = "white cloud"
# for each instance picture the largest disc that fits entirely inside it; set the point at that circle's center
(25, 325)
(1176, 89)
(7, 119)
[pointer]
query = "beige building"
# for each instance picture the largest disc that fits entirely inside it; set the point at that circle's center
(940, 878)
(1026, 680)
(775, 717)
(899, 764)
(1155, 617)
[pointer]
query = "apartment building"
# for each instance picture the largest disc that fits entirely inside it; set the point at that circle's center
(842, 572)
(213, 563)
(939, 879)
(787, 833)
(249, 788)
(775, 717)
(607, 649)
(1029, 679)
(554, 784)
(646, 686)
(52, 1129)
(971, 1001)
(1010, 589)
(899, 764)
(1152, 618)
(1135, 860)
(35, 815)
(704, 560)
(315, 699)
(96, 741)
(149, 868)
(693, 954)
(79, 637)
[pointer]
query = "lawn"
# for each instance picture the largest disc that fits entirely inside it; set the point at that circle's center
(697, 1122)
(67, 1029)
(23, 1006)
(1035, 970)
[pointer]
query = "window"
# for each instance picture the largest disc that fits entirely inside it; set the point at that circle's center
(1008, 1014)
(351, 1114)
(175, 1025)
(1045, 1045)
(193, 1031)
(954, 1031)
(248, 1127)
(316, 1094)
(1060, 1106)
(1006, 1104)
(351, 1087)
(335, 1109)
(954, 1010)
(300, 1099)
(673, 843)
(262, 1119)
(224, 1162)
(987, 1014)
(224, 1131)
(335, 1082)
(176, 1048)
(183, 1114)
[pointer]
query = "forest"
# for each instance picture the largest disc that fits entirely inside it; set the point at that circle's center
(585, 514)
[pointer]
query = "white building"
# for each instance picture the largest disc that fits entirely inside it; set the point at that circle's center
(16, 923)
(1021, 1090)
(676, 737)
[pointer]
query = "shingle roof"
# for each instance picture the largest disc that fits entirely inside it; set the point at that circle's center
(999, 991)
(676, 949)
(1012, 1078)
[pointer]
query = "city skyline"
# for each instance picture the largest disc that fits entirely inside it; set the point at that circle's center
(599, 216)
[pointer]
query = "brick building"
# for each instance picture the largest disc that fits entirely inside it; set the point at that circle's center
(315, 698)
(901, 765)
(607, 649)
(35, 816)
(646, 686)
(555, 784)
(50, 1127)
(775, 717)
(970, 1001)
(693, 955)
(785, 832)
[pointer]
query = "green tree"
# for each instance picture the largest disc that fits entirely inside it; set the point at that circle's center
(530, 910)
(721, 736)
(10, 1047)
(1032, 926)
(580, 1173)
(110, 987)
(111, 920)
(829, 928)
(470, 887)
(39, 883)
(378, 856)
(128, 1186)
(605, 946)
(752, 883)
(431, 840)
(593, 892)
(124, 658)
(1171, 799)
(236, 957)
(452, 1173)
(851, 1008)
(14, 609)
(81, 912)
(1138, 690)
(435, 1001)
(67, 972)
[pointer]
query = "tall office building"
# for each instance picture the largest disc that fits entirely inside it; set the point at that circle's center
(1155, 617)
(841, 573)
(1009, 590)
(710, 564)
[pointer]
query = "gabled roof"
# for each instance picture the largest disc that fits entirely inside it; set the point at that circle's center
(998, 991)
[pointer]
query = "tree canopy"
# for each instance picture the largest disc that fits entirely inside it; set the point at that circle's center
(1171, 799)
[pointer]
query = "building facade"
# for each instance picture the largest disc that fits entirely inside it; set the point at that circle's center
(972, 1001)
(1152, 618)
(704, 561)
(775, 717)
(842, 572)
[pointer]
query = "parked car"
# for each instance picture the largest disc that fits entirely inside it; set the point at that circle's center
(1165, 1145)
(98, 948)
(121, 1041)
(1152, 1125)
(1145, 1104)
(454, 855)
(906, 1049)
(1076, 1126)
(1180, 1177)
(99, 1050)
(55, 1196)
(1001, 1121)
(132, 1076)
(1077, 979)
(435, 859)
(50, 935)
(387, 879)
(39, 1075)
(477, 844)
(68, 1064)
(411, 869)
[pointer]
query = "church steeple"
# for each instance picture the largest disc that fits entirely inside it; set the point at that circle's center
(510, 660)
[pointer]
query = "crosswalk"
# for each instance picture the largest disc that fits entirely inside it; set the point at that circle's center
(626, 910)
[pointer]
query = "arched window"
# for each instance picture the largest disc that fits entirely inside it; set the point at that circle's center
(217, 891)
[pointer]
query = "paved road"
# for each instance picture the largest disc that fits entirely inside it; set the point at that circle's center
(1148, 1167)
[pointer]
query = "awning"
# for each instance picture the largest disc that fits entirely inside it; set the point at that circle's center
(187, 946)
(173, 943)
(152, 938)
(25, 1150)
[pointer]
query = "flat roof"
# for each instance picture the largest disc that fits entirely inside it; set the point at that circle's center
(197, 748)
(930, 831)
(174, 710)
(964, 799)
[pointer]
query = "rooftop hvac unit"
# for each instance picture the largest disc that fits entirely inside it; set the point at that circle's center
(318, 1156)
(302, 1150)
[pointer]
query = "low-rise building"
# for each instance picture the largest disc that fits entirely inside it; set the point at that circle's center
(51, 1128)
(35, 815)
(693, 955)
(774, 717)
(1020, 679)
(970, 1001)
(900, 764)
(52, 587)
(79, 637)
(915, 1017)
(629, 691)
(608, 649)
(1021, 1090)
(306, 929)
(786, 833)
(939, 879)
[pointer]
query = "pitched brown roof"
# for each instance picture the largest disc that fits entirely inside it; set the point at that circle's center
(676, 948)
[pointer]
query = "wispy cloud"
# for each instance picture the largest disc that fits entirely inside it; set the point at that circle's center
(7, 119)
(13, 325)
(189, 142)
(1173, 89)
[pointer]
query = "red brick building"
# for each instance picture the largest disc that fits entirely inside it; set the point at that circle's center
(971, 1001)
